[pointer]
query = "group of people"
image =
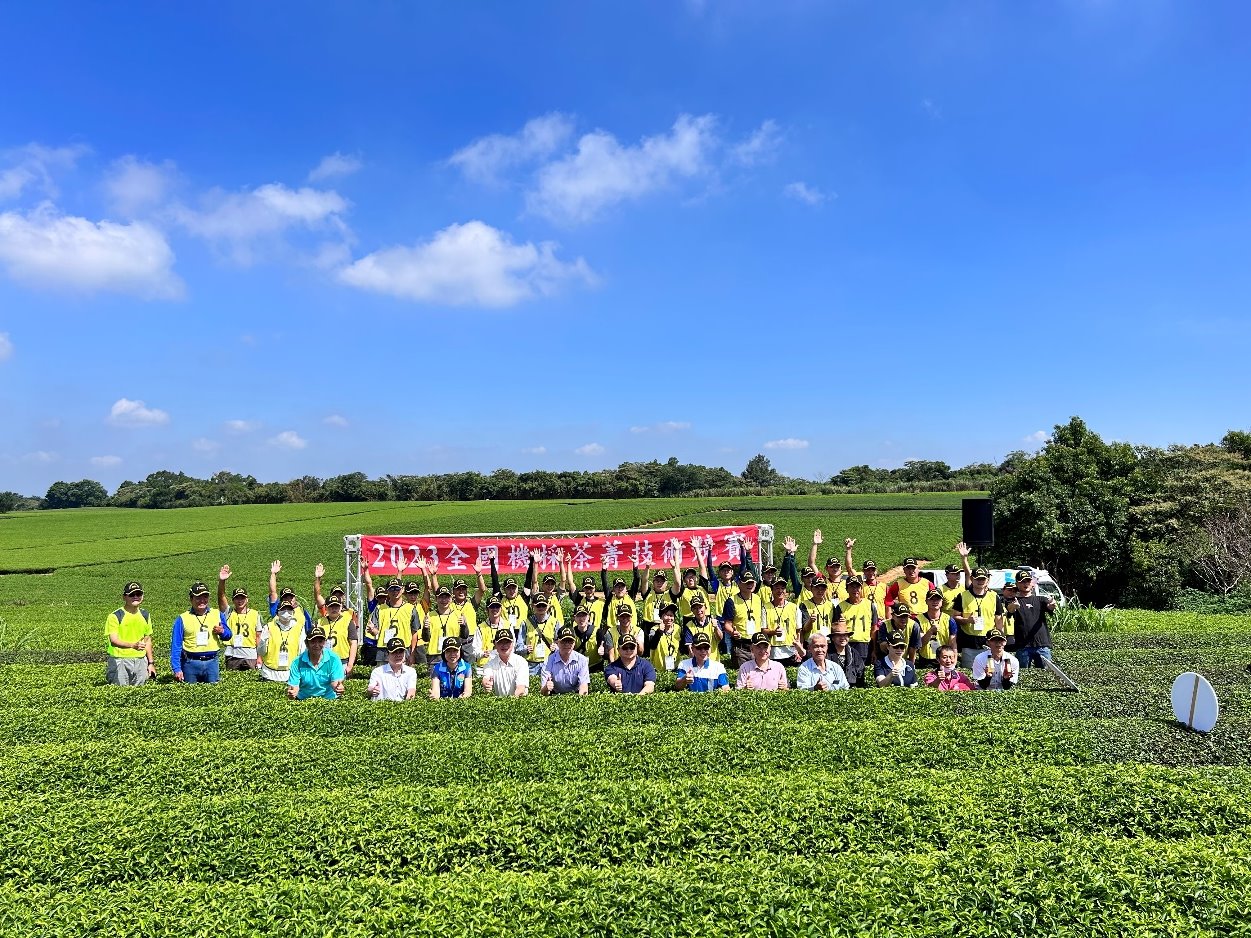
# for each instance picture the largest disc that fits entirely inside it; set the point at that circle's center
(839, 627)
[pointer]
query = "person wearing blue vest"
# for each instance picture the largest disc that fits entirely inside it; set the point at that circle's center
(452, 675)
(197, 639)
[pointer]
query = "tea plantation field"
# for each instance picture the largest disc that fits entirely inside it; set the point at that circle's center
(228, 811)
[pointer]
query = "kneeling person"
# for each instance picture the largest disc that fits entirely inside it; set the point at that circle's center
(819, 672)
(394, 680)
(630, 674)
(699, 672)
(318, 672)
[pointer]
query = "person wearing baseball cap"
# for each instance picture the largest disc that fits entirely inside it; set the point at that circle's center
(894, 669)
(994, 668)
(538, 632)
(196, 640)
(630, 673)
(953, 585)
(701, 620)
(1033, 637)
(301, 614)
(400, 615)
(861, 616)
(281, 642)
(816, 612)
(910, 590)
(741, 617)
(368, 652)
(565, 671)
(902, 622)
(874, 590)
(833, 570)
(663, 638)
(700, 672)
(452, 675)
(128, 631)
(506, 673)
(687, 583)
(976, 611)
(612, 637)
(244, 623)
(938, 630)
(316, 672)
(587, 636)
(761, 672)
(342, 637)
(394, 680)
(780, 621)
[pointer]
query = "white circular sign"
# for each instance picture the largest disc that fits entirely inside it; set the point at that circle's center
(1194, 702)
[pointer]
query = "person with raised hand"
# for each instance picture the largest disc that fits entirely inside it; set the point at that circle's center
(342, 637)
(128, 631)
(819, 672)
(196, 641)
(394, 680)
(894, 669)
(302, 615)
(874, 589)
(339, 590)
(701, 673)
(631, 674)
(317, 672)
(994, 668)
(396, 616)
(976, 611)
(244, 622)
(452, 675)
(835, 577)
(1033, 639)
(565, 671)
(687, 584)
(506, 673)
(281, 641)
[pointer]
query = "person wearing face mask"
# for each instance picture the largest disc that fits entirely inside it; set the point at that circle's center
(894, 669)
(819, 672)
(197, 638)
(947, 676)
(244, 622)
(281, 642)
(843, 654)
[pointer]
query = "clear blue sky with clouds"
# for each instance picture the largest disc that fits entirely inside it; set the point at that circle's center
(290, 238)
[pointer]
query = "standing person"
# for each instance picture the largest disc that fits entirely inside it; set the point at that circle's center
(947, 676)
(861, 616)
(552, 594)
(843, 654)
(341, 634)
(443, 621)
(397, 616)
(630, 674)
(369, 644)
(816, 613)
(910, 590)
(664, 639)
(339, 590)
(587, 637)
(761, 672)
(506, 674)
(834, 575)
(656, 598)
(301, 614)
(565, 671)
(938, 630)
(128, 631)
(700, 673)
(612, 638)
(197, 639)
(819, 672)
(619, 597)
(994, 668)
(538, 634)
(687, 585)
(317, 672)
(873, 589)
(394, 680)
(1033, 639)
(954, 585)
(894, 669)
(1010, 607)
(478, 647)
(976, 611)
(701, 621)
(452, 675)
(281, 642)
(780, 621)
(741, 617)
(244, 623)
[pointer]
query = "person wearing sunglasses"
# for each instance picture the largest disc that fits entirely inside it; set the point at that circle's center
(129, 634)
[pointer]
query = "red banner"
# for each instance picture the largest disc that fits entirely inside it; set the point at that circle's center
(457, 554)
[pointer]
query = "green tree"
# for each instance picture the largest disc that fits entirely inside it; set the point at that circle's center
(760, 471)
(86, 493)
(9, 501)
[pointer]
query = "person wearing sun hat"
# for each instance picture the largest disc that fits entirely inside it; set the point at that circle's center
(128, 631)
(894, 669)
(761, 672)
(700, 673)
(976, 611)
(506, 673)
(197, 637)
(394, 680)
(452, 675)
(842, 653)
(630, 673)
(317, 672)
(281, 642)
(565, 671)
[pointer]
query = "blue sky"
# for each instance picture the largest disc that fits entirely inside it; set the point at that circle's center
(291, 239)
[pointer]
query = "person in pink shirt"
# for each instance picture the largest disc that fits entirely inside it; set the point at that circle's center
(762, 673)
(947, 676)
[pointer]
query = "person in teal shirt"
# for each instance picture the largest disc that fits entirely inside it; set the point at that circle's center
(317, 672)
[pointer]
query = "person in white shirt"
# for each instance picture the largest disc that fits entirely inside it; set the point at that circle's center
(506, 674)
(818, 672)
(994, 668)
(394, 680)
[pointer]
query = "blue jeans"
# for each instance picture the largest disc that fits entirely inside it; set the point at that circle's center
(200, 672)
(1026, 656)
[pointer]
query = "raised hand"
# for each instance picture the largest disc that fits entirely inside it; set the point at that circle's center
(849, 543)
(963, 549)
(790, 545)
(536, 555)
(816, 537)
(748, 544)
(319, 571)
(276, 567)
(478, 568)
(224, 573)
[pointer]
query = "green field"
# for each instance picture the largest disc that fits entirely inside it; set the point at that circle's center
(219, 810)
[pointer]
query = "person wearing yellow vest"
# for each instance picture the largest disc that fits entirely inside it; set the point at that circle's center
(244, 622)
(128, 631)
(608, 649)
(538, 633)
(586, 597)
(663, 639)
(780, 621)
(862, 619)
(281, 641)
(587, 637)
(197, 638)
(817, 613)
(323, 605)
(834, 575)
(701, 622)
(619, 597)
(954, 586)
(478, 648)
(342, 637)
(901, 622)
(686, 583)
(938, 631)
(873, 589)
(301, 614)
(910, 590)
(977, 611)
(740, 617)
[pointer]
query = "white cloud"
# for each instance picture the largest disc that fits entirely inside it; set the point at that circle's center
(667, 426)
(240, 221)
(205, 445)
(335, 420)
(288, 439)
(242, 426)
(802, 192)
(41, 456)
(488, 157)
(466, 265)
(64, 252)
(34, 164)
(590, 449)
(128, 413)
(760, 147)
(334, 165)
(1038, 436)
(789, 443)
(106, 462)
(134, 186)
(931, 109)
(534, 450)
(6, 347)
(602, 172)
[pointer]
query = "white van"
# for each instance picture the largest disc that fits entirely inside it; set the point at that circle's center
(1044, 584)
